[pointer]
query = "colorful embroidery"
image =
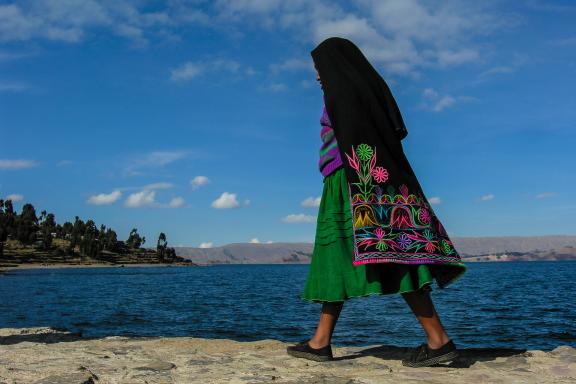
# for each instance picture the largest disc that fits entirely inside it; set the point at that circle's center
(396, 226)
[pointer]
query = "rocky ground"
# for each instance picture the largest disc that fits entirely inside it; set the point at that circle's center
(50, 356)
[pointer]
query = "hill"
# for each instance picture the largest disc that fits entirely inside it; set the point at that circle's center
(503, 248)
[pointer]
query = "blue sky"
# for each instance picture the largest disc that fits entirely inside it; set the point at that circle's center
(201, 118)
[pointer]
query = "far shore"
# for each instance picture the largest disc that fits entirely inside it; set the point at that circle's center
(10, 267)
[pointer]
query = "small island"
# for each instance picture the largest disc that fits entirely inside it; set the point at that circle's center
(32, 241)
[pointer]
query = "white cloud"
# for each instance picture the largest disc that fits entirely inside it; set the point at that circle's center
(299, 218)
(177, 202)
(9, 56)
(444, 102)
(207, 244)
(433, 101)
(192, 69)
(565, 42)
(434, 200)
(457, 57)
(311, 202)
(186, 71)
(14, 197)
(292, 65)
(255, 240)
(249, 71)
(277, 87)
(71, 21)
(10, 86)
(402, 36)
(429, 92)
(351, 26)
(16, 164)
(161, 158)
(495, 71)
(141, 199)
(226, 200)
(545, 195)
(104, 199)
(199, 181)
(154, 159)
(487, 197)
(161, 185)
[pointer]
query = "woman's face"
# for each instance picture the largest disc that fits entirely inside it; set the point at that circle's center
(318, 77)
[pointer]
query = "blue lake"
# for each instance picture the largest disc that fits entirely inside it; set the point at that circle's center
(515, 304)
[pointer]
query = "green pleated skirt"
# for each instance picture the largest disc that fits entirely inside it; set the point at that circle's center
(331, 275)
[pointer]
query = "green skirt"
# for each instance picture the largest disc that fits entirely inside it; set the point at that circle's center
(331, 276)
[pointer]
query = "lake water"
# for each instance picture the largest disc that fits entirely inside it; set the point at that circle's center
(511, 304)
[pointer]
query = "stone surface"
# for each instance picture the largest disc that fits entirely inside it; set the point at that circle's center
(51, 356)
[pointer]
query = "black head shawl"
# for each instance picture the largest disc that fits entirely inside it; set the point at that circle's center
(350, 80)
(392, 219)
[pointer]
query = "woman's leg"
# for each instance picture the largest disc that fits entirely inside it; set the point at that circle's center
(421, 304)
(328, 318)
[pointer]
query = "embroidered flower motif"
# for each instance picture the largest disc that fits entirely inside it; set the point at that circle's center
(446, 248)
(428, 234)
(373, 161)
(404, 241)
(404, 191)
(353, 161)
(424, 215)
(364, 152)
(380, 174)
(429, 247)
(379, 232)
(381, 246)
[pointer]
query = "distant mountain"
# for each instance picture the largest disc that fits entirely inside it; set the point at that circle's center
(472, 246)
(249, 253)
(504, 248)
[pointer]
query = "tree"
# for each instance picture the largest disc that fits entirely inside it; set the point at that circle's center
(90, 243)
(161, 246)
(76, 234)
(27, 224)
(47, 226)
(3, 228)
(134, 240)
(66, 232)
(7, 222)
(110, 241)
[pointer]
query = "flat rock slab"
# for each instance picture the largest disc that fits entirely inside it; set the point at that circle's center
(52, 356)
(80, 378)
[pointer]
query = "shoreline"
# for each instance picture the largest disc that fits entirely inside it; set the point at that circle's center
(48, 355)
(7, 268)
(4, 268)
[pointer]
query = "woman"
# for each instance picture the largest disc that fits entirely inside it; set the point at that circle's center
(376, 232)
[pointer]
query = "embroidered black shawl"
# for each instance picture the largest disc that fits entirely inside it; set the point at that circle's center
(393, 221)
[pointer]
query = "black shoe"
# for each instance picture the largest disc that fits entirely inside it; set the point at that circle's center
(424, 356)
(304, 350)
